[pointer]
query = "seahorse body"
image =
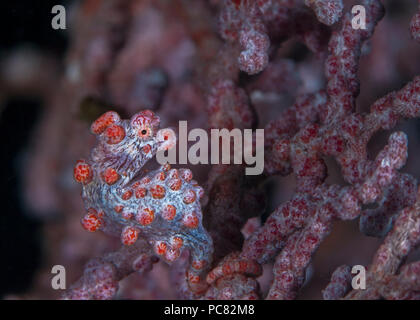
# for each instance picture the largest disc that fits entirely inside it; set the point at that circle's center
(161, 206)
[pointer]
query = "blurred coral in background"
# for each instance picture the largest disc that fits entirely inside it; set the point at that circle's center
(339, 107)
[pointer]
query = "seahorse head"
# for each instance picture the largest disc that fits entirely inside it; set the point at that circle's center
(124, 146)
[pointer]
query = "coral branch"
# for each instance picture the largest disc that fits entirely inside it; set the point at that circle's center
(383, 279)
(342, 63)
(101, 275)
(241, 21)
(339, 284)
(327, 11)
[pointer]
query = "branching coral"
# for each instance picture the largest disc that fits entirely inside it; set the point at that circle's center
(101, 277)
(327, 11)
(387, 277)
(295, 230)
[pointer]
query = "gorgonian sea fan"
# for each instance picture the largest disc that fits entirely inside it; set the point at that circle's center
(160, 209)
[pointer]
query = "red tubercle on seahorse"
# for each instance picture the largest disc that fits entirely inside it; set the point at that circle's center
(83, 172)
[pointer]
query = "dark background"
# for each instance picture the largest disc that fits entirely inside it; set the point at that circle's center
(23, 23)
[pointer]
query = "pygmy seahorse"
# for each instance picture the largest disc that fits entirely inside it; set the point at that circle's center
(161, 206)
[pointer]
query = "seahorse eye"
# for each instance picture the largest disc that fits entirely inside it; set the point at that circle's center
(144, 132)
(145, 123)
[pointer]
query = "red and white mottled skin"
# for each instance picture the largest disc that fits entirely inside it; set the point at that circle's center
(254, 25)
(161, 206)
(343, 61)
(327, 11)
(241, 20)
(339, 284)
(228, 106)
(385, 277)
(296, 228)
(101, 275)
